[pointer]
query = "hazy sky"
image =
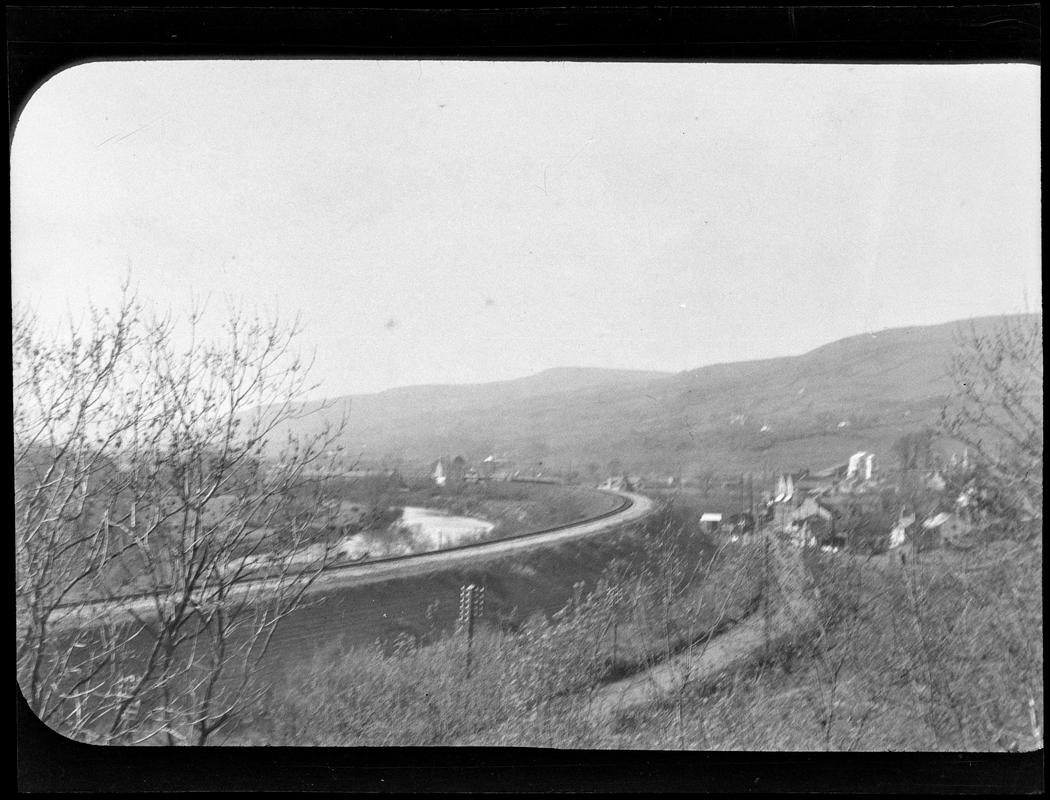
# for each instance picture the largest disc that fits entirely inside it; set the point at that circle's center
(474, 221)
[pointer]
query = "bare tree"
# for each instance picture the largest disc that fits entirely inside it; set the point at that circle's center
(997, 410)
(162, 532)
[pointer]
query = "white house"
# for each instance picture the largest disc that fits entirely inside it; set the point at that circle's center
(855, 462)
(812, 508)
(785, 489)
(861, 465)
(710, 521)
(899, 532)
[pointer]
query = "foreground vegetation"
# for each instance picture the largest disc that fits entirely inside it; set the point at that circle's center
(918, 649)
(670, 590)
(942, 653)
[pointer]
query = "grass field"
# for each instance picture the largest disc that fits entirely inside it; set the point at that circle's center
(514, 507)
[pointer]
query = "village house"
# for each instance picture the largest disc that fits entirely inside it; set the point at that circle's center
(809, 521)
(820, 531)
(785, 490)
(899, 534)
(811, 507)
(791, 491)
(861, 466)
(448, 471)
(845, 501)
(710, 522)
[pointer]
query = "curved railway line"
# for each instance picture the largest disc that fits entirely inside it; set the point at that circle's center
(632, 507)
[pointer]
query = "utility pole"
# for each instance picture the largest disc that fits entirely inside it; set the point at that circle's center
(471, 604)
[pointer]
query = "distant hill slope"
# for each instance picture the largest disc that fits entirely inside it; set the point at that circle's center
(711, 418)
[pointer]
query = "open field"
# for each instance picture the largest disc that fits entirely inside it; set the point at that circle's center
(514, 506)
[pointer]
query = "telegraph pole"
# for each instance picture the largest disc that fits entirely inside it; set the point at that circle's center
(471, 604)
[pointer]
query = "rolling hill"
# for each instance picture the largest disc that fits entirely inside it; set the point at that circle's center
(811, 410)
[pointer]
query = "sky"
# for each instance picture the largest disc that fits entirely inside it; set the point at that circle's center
(462, 222)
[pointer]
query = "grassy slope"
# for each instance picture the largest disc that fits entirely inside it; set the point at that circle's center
(943, 654)
(349, 694)
(884, 383)
(424, 607)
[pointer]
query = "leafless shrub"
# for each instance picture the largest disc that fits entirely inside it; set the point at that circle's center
(144, 468)
(997, 412)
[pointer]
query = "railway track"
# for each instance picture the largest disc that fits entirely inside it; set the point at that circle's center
(631, 507)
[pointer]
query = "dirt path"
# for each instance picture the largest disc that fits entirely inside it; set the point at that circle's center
(698, 664)
(722, 653)
(792, 612)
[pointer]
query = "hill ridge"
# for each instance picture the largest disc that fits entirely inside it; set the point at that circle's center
(859, 392)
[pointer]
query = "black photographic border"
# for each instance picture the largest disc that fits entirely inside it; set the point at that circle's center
(42, 41)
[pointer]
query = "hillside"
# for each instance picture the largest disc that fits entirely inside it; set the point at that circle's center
(711, 418)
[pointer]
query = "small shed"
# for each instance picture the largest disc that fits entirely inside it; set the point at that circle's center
(710, 522)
